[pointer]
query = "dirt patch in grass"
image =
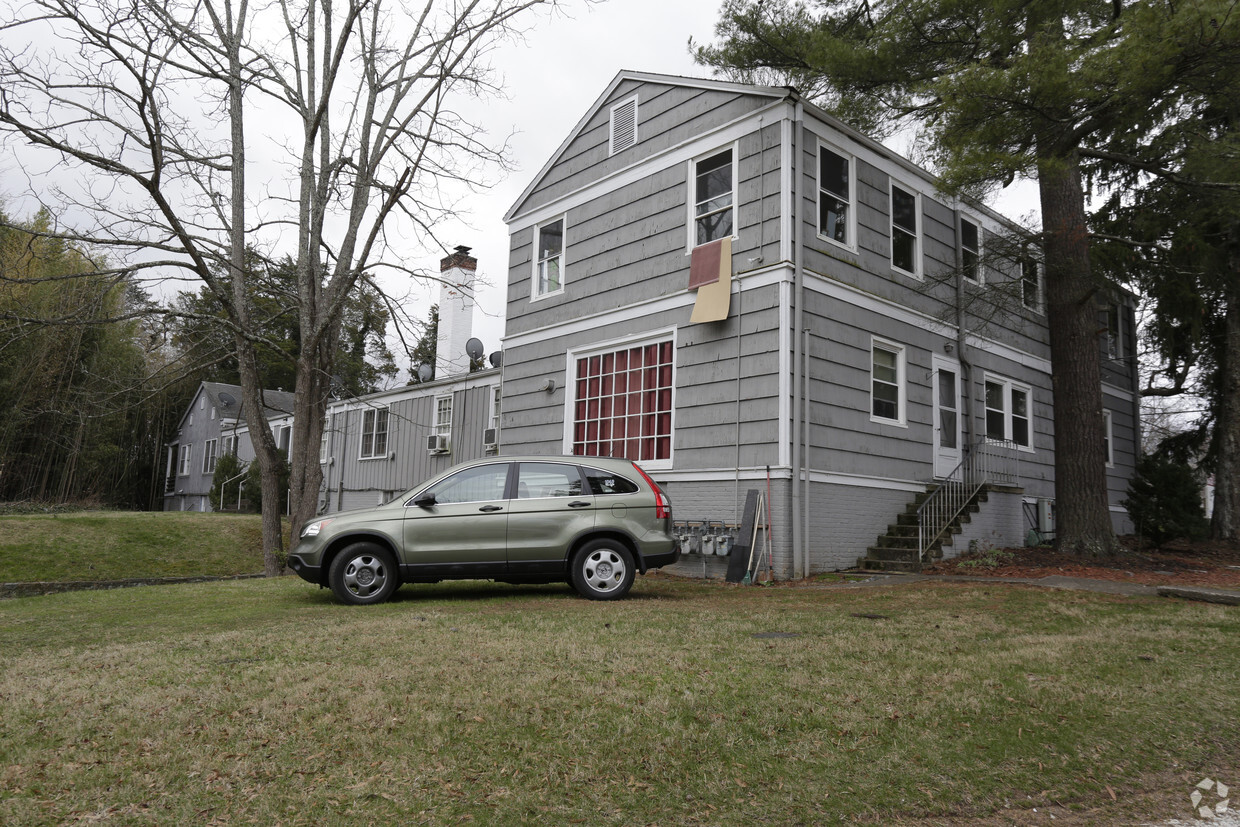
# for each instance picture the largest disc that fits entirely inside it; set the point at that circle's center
(1177, 564)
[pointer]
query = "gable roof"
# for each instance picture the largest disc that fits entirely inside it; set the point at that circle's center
(228, 402)
(772, 92)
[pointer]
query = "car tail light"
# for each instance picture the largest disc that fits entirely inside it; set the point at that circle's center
(662, 511)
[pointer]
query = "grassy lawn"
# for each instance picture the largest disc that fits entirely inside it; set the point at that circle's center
(691, 703)
(107, 545)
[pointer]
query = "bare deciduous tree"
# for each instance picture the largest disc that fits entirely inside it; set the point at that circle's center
(183, 134)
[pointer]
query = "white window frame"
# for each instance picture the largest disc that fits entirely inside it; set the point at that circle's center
(183, 461)
(692, 199)
(901, 383)
(1027, 261)
(281, 431)
(1114, 336)
(536, 291)
(324, 444)
(443, 423)
(891, 194)
(659, 337)
(1109, 436)
(981, 270)
(496, 401)
(850, 201)
(230, 444)
(1009, 415)
(373, 414)
(209, 455)
(613, 148)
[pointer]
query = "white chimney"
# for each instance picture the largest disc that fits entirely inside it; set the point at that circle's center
(456, 313)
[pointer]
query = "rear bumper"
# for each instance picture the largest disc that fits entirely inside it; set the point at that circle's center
(655, 561)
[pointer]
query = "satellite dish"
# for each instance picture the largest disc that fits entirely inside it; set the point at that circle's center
(425, 372)
(474, 348)
(497, 359)
(227, 400)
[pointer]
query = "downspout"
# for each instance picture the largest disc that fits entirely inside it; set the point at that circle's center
(962, 339)
(800, 549)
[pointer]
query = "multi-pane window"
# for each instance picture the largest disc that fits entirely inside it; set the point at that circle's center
(1008, 416)
(323, 440)
(1114, 345)
(230, 445)
(903, 230)
(443, 415)
(970, 251)
(623, 403)
(834, 196)
(495, 402)
(183, 460)
(1108, 440)
(887, 382)
(549, 277)
(712, 198)
(208, 456)
(1030, 284)
(374, 433)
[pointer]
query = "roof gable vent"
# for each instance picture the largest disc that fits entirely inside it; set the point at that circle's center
(623, 125)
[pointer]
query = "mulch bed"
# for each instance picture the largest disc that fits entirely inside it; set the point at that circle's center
(1177, 564)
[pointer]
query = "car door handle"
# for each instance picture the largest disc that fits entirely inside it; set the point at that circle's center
(491, 508)
(578, 504)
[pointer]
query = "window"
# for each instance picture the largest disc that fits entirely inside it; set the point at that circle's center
(495, 401)
(549, 275)
(284, 437)
(230, 445)
(374, 433)
(1030, 284)
(323, 442)
(539, 480)
(443, 415)
(183, 461)
(1008, 416)
(1114, 344)
(834, 196)
(1109, 441)
(887, 382)
(970, 251)
(904, 255)
(622, 404)
(623, 125)
(481, 483)
(605, 482)
(712, 198)
(208, 456)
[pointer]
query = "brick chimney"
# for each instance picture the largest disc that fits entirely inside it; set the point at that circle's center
(456, 312)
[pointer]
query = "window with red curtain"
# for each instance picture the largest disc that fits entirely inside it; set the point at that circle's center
(623, 403)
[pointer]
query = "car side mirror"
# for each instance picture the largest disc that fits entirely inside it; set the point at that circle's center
(425, 501)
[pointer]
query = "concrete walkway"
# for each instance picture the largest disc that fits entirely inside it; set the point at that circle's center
(1202, 593)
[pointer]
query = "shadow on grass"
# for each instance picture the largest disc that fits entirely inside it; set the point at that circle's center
(467, 591)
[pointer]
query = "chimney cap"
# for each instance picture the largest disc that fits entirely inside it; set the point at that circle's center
(459, 259)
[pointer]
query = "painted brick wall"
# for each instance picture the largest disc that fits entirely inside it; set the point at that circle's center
(1000, 523)
(845, 520)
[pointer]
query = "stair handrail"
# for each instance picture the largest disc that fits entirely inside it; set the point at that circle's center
(988, 462)
(239, 487)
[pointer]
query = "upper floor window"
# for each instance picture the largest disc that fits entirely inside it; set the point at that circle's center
(834, 196)
(623, 125)
(1008, 416)
(443, 415)
(230, 445)
(323, 440)
(209, 456)
(1114, 344)
(887, 382)
(1030, 283)
(183, 460)
(904, 231)
(971, 251)
(374, 433)
(495, 403)
(713, 198)
(622, 403)
(549, 265)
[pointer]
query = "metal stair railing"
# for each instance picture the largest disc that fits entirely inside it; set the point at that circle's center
(989, 462)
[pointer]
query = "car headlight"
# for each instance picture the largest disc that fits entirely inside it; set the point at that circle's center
(313, 529)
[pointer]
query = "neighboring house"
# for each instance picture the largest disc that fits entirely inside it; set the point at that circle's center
(728, 285)
(374, 446)
(215, 424)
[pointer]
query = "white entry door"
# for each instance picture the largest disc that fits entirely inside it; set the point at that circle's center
(946, 415)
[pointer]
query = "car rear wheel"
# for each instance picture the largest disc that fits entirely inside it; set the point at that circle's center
(603, 570)
(362, 574)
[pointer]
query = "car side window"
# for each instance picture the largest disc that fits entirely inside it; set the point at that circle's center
(478, 484)
(605, 482)
(537, 480)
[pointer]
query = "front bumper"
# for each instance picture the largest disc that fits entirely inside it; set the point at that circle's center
(311, 574)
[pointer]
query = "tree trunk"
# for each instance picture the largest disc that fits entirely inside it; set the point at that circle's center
(1083, 517)
(1225, 523)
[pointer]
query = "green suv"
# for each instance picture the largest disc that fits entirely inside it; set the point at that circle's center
(592, 521)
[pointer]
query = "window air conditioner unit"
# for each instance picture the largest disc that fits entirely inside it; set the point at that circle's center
(490, 438)
(437, 444)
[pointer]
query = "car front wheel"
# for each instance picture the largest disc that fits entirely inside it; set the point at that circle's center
(362, 574)
(603, 570)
